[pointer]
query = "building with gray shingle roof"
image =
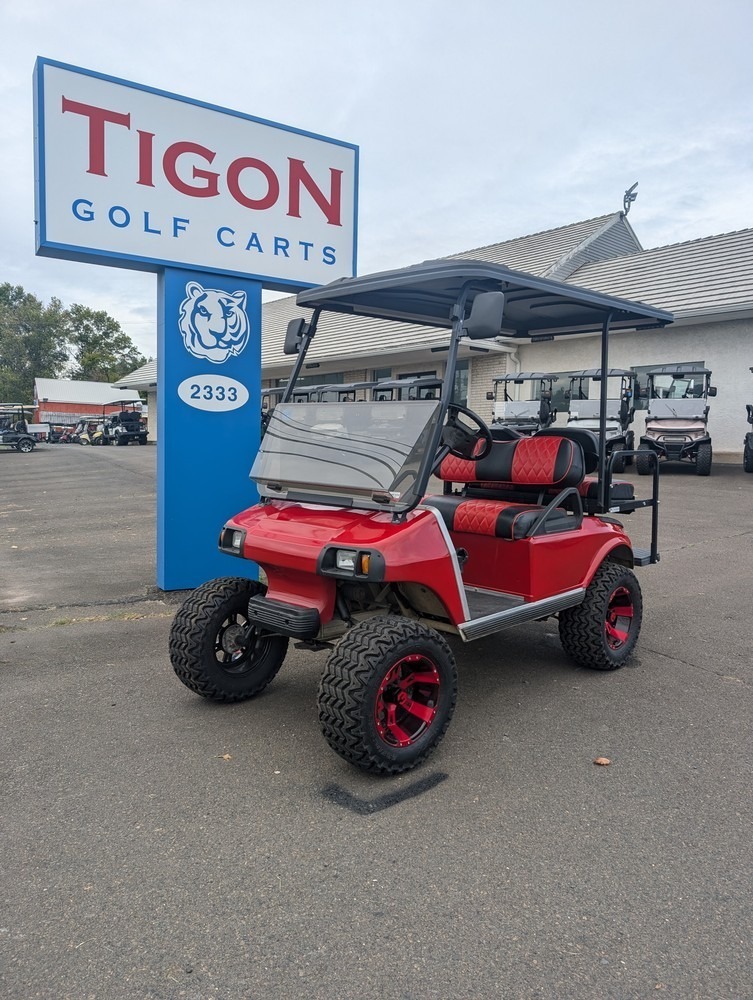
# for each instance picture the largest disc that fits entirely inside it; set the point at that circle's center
(707, 283)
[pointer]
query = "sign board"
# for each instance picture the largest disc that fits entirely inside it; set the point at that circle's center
(209, 416)
(220, 204)
(138, 177)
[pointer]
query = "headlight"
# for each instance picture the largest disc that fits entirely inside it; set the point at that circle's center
(345, 560)
(231, 541)
(358, 564)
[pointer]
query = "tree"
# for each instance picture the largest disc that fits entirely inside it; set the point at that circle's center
(100, 350)
(48, 341)
(33, 342)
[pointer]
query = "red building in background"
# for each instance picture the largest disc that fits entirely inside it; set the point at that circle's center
(61, 401)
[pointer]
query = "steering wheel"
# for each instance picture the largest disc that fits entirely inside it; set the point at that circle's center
(460, 440)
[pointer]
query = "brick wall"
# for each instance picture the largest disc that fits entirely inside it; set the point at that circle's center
(482, 373)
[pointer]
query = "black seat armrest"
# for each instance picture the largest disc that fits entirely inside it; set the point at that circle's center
(539, 525)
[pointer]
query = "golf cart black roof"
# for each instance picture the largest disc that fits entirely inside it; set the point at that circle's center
(684, 369)
(345, 386)
(414, 381)
(595, 373)
(426, 293)
(528, 377)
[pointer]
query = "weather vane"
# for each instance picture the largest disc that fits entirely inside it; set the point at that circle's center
(630, 195)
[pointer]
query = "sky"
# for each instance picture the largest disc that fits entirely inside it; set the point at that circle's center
(477, 121)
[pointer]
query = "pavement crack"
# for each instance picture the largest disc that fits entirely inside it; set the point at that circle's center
(695, 666)
(707, 541)
(144, 598)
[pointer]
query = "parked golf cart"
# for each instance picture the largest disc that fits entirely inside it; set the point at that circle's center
(748, 442)
(14, 428)
(524, 416)
(125, 427)
(358, 559)
(342, 392)
(269, 399)
(64, 434)
(584, 412)
(677, 418)
(388, 390)
(86, 432)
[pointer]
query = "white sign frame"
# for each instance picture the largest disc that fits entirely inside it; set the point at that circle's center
(135, 177)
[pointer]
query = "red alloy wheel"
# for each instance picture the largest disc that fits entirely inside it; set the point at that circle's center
(407, 700)
(619, 618)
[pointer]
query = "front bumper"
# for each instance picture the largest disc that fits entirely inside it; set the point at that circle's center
(281, 618)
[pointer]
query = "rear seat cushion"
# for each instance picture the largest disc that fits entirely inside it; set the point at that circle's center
(496, 518)
(536, 461)
(621, 489)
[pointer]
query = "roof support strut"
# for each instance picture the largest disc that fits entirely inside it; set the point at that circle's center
(604, 473)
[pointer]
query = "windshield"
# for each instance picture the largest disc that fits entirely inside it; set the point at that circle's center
(675, 387)
(370, 452)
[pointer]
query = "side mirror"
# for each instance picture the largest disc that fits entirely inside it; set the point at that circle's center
(712, 390)
(490, 395)
(294, 335)
(486, 316)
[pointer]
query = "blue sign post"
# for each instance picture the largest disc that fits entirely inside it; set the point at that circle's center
(219, 204)
(208, 392)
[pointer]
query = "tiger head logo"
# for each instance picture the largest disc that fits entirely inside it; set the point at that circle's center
(213, 323)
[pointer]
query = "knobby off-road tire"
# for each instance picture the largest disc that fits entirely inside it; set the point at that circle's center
(207, 648)
(387, 694)
(748, 458)
(703, 460)
(601, 632)
(618, 466)
(629, 446)
(643, 462)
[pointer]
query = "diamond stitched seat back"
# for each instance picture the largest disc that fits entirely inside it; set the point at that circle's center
(539, 461)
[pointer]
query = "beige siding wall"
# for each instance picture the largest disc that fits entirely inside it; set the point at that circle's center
(720, 345)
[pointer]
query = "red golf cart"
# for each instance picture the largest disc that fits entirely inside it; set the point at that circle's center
(361, 557)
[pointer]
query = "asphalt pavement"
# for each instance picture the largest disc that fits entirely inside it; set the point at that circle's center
(156, 845)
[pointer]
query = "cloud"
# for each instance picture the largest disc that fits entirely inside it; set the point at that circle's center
(476, 123)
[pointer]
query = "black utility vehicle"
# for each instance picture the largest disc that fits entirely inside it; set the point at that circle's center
(677, 418)
(342, 392)
(412, 387)
(524, 416)
(14, 429)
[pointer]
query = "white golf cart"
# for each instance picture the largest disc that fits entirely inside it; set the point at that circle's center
(584, 412)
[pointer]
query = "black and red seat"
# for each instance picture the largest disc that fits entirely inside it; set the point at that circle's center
(524, 487)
